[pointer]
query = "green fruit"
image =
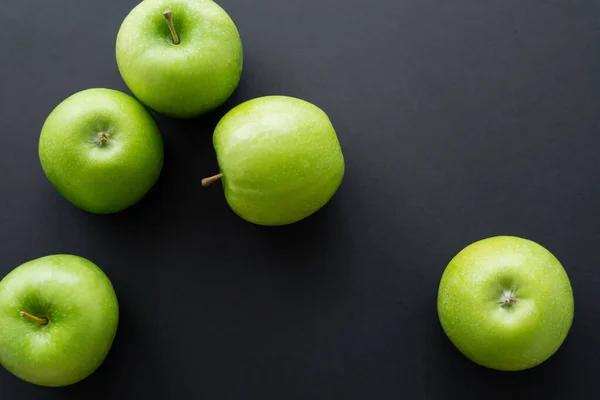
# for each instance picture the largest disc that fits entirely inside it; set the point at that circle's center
(101, 150)
(58, 319)
(280, 159)
(506, 303)
(187, 79)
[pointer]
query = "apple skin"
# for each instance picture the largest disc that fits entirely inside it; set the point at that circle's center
(184, 80)
(79, 301)
(280, 158)
(101, 178)
(509, 337)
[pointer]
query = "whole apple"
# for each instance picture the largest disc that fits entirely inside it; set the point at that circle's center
(101, 150)
(280, 159)
(181, 58)
(506, 303)
(58, 319)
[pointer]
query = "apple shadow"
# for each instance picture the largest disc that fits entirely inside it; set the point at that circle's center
(458, 375)
(125, 373)
(302, 267)
(307, 249)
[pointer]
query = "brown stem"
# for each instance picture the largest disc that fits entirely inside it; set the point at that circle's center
(103, 138)
(206, 182)
(39, 320)
(507, 298)
(169, 17)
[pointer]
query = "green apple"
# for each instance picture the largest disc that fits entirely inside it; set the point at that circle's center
(280, 159)
(181, 58)
(58, 319)
(506, 303)
(101, 150)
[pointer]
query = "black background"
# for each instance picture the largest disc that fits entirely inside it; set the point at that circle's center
(459, 120)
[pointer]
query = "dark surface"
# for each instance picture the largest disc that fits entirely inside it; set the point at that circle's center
(459, 120)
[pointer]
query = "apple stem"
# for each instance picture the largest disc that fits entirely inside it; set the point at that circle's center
(206, 182)
(39, 320)
(169, 17)
(507, 299)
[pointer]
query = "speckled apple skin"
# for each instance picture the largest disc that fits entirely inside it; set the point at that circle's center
(280, 158)
(506, 338)
(105, 179)
(82, 307)
(185, 80)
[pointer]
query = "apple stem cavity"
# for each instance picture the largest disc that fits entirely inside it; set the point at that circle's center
(39, 320)
(507, 298)
(102, 139)
(169, 17)
(206, 182)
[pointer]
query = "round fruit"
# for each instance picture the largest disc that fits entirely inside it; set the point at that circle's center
(506, 303)
(101, 150)
(280, 159)
(58, 319)
(181, 58)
